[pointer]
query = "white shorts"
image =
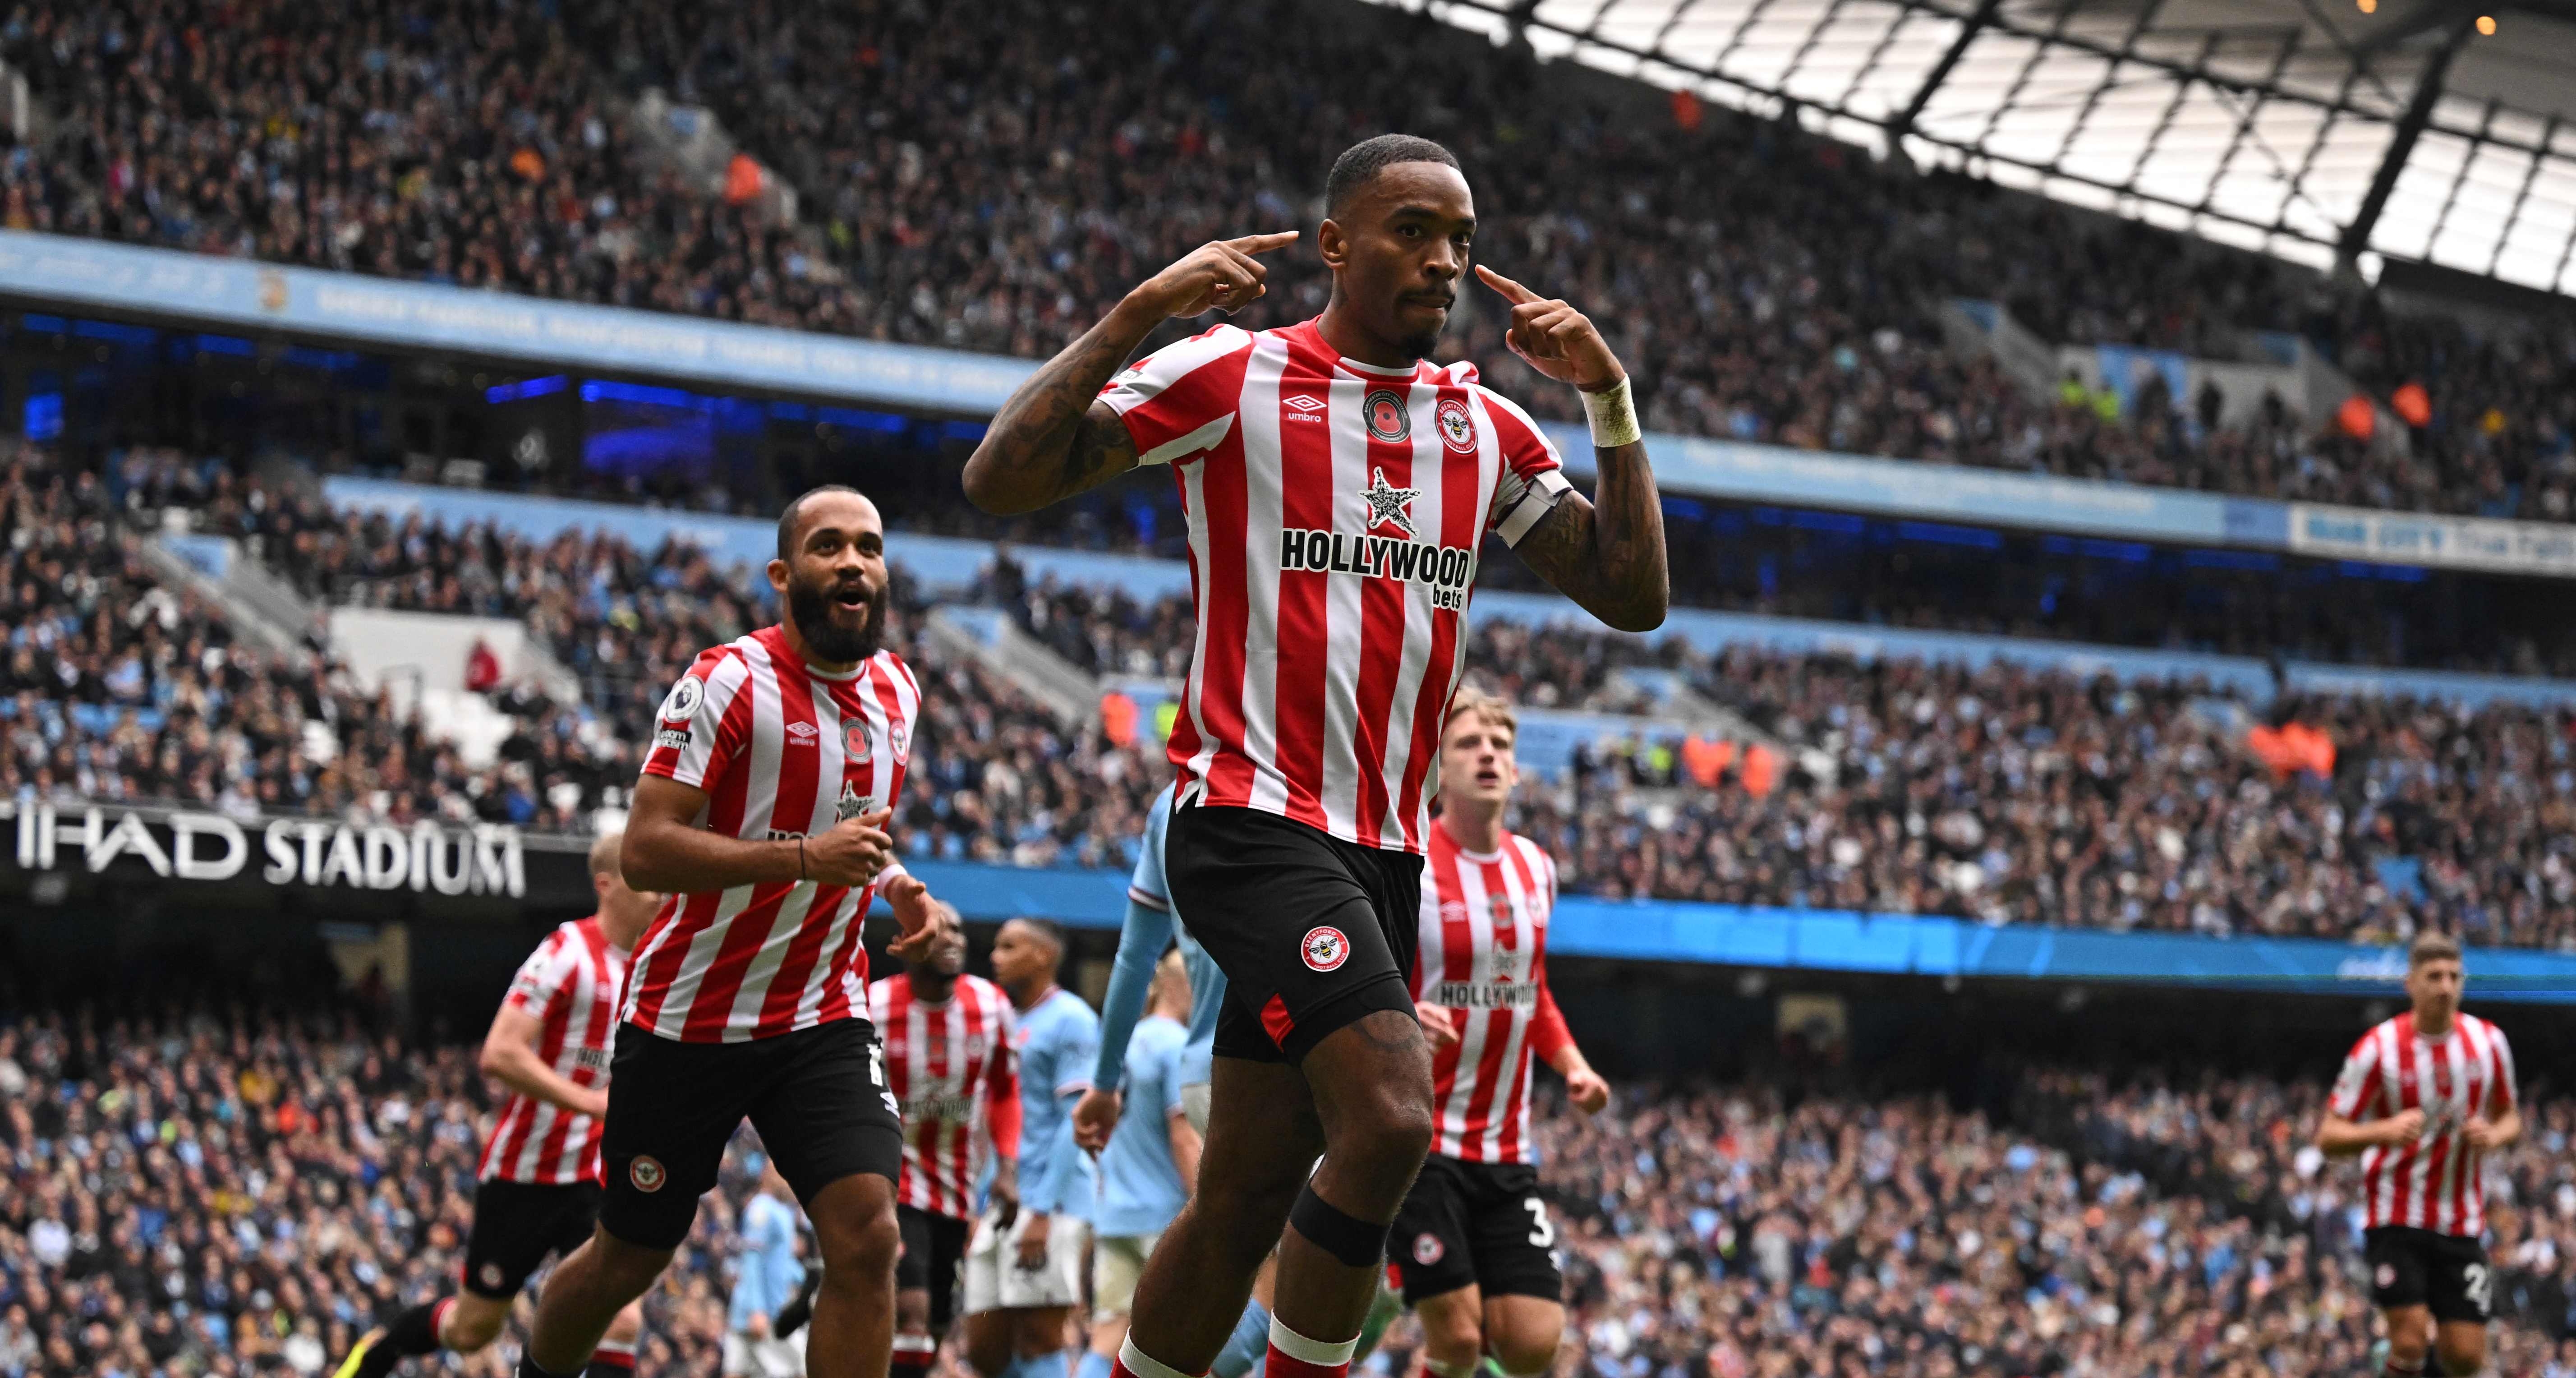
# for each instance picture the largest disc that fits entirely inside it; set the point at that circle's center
(1117, 1263)
(767, 1357)
(1194, 1104)
(996, 1281)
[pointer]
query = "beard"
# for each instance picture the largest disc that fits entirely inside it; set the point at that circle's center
(812, 605)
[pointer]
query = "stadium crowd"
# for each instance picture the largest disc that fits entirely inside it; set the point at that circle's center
(116, 687)
(210, 1191)
(1009, 179)
(2001, 794)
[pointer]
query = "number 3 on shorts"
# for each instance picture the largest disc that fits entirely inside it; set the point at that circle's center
(1542, 1230)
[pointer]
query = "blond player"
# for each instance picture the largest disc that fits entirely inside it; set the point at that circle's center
(1474, 1247)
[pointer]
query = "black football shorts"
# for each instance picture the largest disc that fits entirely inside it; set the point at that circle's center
(1313, 933)
(2445, 1273)
(516, 1224)
(1479, 1223)
(818, 1097)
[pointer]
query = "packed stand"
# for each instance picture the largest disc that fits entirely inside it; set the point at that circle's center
(2097, 1230)
(1785, 292)
(118, 688)
(221, 1192)
(2012, 795)
(1012, 178)
(997, 778)
(2004, 795)
(225, 1193)
(457, 141)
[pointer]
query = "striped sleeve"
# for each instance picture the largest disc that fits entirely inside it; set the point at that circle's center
(704, 722)
(2507, 1095)
(545, 976)
(2358, 1085)
(1533, 478)
(1181, 399)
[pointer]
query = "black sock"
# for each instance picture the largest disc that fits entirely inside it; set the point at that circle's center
(413, 1332)
(799, 1308)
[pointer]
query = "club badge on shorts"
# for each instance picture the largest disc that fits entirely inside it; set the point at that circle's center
(646, 1173)
(1324, 948)
(490, 1275)
(1426, 1249)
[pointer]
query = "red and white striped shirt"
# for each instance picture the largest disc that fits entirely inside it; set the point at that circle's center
(571, 984)
(782, 750)
(951, 1069)
(1334, 512)
(2437, 1182)
(1484, 956)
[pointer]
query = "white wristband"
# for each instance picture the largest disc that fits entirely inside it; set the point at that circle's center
(1614, 417)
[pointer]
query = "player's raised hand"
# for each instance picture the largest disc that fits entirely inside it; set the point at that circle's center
(1094, 1116)
(1436, 1024)
(1223, 273)
(852, 852)
(1554, 338)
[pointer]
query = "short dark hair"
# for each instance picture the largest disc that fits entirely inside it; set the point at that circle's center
(1048, 929)
(2431, 946)
(1363, 161)
(787, 519)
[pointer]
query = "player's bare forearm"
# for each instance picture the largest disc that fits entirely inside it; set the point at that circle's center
(1054, 437)
(2338, 1137)
(1185, 1151)
(1607, 552)
(665, 850)
(510, 1058)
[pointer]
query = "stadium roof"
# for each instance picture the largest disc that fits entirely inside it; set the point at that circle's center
(2439, 130)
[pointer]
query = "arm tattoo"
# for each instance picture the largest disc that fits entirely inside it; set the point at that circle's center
(1608, 556)
(1053, 438)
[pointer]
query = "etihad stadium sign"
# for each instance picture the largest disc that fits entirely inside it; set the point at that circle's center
(175, 844)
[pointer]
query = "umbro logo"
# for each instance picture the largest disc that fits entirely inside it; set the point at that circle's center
(803, 733)
(1304, 408)
(1304, 403)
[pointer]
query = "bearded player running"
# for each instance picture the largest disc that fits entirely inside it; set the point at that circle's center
(1337, 488)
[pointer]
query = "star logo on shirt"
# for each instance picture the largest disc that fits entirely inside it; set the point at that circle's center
(1388, 504)
(1507, 963)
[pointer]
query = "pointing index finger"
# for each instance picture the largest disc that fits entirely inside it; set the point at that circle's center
(1512, 291)
(1263, 243)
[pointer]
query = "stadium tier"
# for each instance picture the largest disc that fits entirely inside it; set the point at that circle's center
(1791, 290)
(1998, 792)
(210, 1189)
(2104, 672)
